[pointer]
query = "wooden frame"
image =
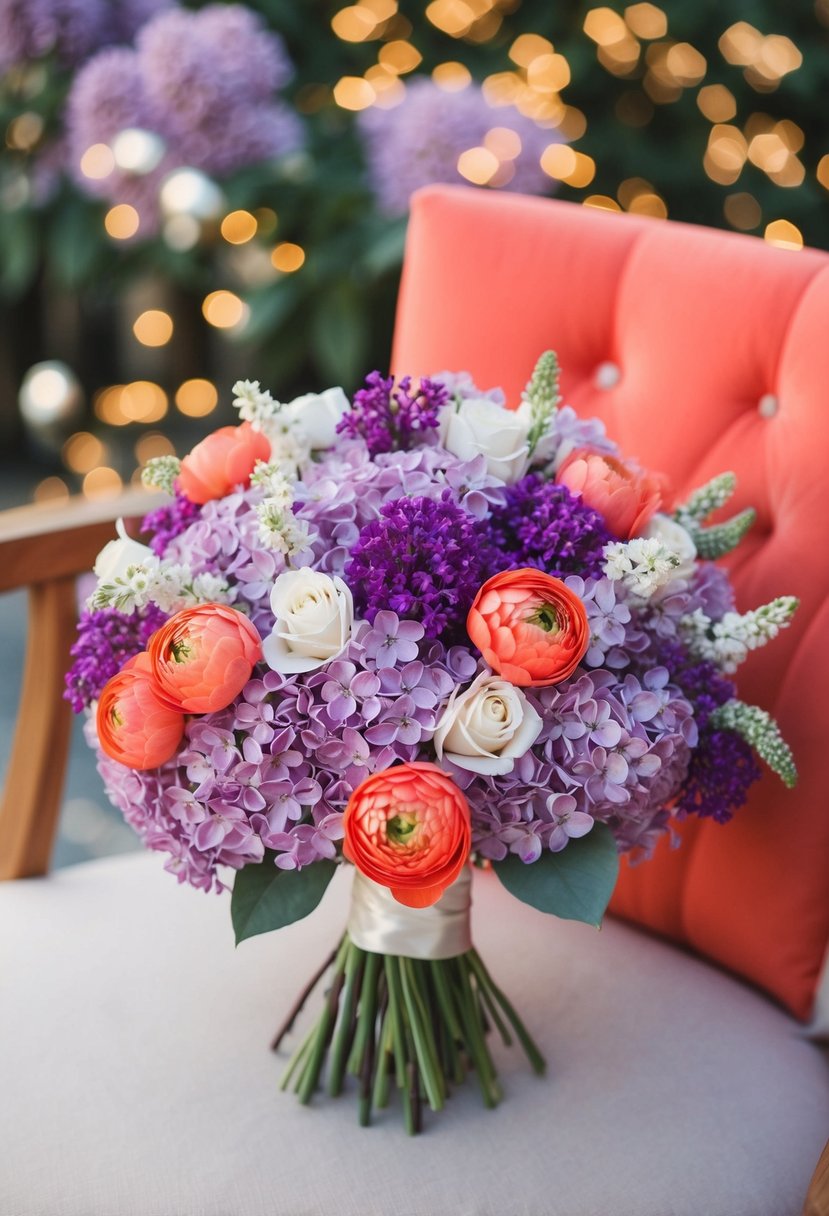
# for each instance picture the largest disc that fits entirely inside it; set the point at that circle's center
(45, 548)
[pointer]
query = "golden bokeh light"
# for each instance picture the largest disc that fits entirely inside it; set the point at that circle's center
(504, 88)
(153, 327)
(82, 452)
(24, 131)
(649, 204)
(685, 64)
(563, 163)
(717, 103)
(452, 17)
(51, 489)
(783, 234)
(768, 152)
(288, 257)
(107, 406)
(451, 76)
(572, 123)
(389, 89)
(151, 446)
(620, 57)
(353, 93)
(196, 398)
(503, 143)
(224, 309)
(604, 27)
(741, 43)
(97, 162)
(101, 483)
(528, 47)
(822, 171)
(238, 227)
(548, 73)
(478, 165)
(742, 211)
(143, 401)
(601, 201)
(646, 21)
(399, 56)
(122, 221)
(630, 189)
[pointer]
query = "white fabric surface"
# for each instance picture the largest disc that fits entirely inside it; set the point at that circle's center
(135, 1077)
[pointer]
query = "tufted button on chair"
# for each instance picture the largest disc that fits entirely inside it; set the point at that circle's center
(134, 1072)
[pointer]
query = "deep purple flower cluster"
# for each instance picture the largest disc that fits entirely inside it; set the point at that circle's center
(389, 418)
(722, 770)
(425, 560)
(542, 524)
(167, 522)
(106, 639)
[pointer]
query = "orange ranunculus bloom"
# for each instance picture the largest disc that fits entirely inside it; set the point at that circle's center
(135, 726)
(203, 657)
(408, 828)
(625, 497)
(529, 626)
(224, 459)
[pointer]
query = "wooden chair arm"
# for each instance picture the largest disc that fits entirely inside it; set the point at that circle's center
(45, 548)
(817, 1201)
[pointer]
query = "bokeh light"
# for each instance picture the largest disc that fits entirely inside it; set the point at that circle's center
(153, 327)
(196, 398)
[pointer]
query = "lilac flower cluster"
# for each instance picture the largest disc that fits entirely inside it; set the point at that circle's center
(389, 418)
(419, 141)
(542, 524)
(167, 522)
(32, 29)
(423, 558)
(106, 639)
(414, 533)
(204, 82)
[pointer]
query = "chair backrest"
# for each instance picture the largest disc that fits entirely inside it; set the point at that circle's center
(702, 351)
(45, 548)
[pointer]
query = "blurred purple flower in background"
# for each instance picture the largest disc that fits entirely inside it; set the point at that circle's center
(420, 140)
(31, 29)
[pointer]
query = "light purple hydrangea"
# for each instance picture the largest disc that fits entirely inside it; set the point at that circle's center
(272, 773)
(418, 142)
(32, 29)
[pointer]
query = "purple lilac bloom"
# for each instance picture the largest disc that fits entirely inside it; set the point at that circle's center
(418, 142)
(128, 16)
(541, 524)
(424, 559)
(31, 29)
(722, 770)
(169, 521)
(106, 639)
(209, 78)
(389, 418)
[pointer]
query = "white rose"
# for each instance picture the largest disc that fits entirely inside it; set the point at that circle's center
(116, 556)
(488, 727)
(676, 538)
(315, 416)
(482, 427)
(314, 613)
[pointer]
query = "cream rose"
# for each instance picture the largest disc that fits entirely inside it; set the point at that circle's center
(480, 427)
(118, 555)
(314, 614)
(676, 538)
(488, 727)
(315, 416)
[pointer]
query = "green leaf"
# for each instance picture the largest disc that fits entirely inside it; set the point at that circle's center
(575, 884)
(339, 334)
(75, 241)
(265, 897)
(19, 253)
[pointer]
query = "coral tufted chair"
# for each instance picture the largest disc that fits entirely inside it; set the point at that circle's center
(134, 1076)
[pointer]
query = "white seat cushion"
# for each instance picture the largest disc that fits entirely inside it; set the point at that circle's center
(135, 1076)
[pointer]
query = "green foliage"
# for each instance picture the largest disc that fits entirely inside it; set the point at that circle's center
(575, 884)
(265, 897)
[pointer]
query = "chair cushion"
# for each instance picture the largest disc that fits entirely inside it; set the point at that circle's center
(135, 1076)
(703, 327)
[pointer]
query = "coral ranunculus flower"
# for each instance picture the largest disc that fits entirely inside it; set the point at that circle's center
(203, 657)
(135, 726)
(224, 459)
(530, 627)
(408, 828)
(625, 497)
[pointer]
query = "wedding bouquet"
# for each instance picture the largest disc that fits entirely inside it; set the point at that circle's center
(413, 632)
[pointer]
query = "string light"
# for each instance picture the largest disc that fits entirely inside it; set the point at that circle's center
(528, 47)
(742, 211)
(196, 398)
(822, 172)
(121, 222)
(783, 234)
(646, 21)
(24, 131)
(51, 489)
(353, 93)
(602, 201)
(288, 257)
(153, 327)
(101, 483)
(83, 452)
(152, 445)
(399, 56)
(478, 165)
(716, 103)
(224, 310)
(97, 162)
(237, 227)
(452, 76)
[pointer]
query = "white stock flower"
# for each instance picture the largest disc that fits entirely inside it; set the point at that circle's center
(314, 416)
(314, 614)
(480, 427)
(118, 555)
(254, 404)
(488, 727)
(675, 538)
(645, 566)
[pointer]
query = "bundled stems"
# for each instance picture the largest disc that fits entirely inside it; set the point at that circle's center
(423, 1024)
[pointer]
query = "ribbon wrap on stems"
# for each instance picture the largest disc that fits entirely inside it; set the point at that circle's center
(380, 924)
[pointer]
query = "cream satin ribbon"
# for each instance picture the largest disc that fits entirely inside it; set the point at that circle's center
(381, 925)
